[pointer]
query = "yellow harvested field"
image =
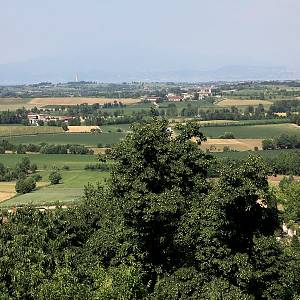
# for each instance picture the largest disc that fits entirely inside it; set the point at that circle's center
(238, 102)
(81, 129)
(217, 145)
(280, 114)
(5, 196)
(7, 190)
(78, 100)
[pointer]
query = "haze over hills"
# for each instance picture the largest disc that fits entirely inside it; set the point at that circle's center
(56, 71)
(154, 40)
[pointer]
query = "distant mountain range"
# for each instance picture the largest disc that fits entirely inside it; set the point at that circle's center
(33, 72)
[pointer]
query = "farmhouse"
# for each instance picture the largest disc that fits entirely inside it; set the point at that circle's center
(35, 118)
(152, 99)
(204, 92)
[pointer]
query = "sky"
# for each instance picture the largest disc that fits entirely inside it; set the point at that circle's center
(149, 35)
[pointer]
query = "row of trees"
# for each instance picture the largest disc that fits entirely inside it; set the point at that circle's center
(161, 229)
(284, 141)
(44, 148)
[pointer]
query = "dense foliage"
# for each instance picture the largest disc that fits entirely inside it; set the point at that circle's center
(20, 171)
(284, 141)
(160, 230)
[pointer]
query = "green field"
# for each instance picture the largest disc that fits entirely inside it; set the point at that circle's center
(16, 130)
(245, 154)
(252, 131)
(69, 191)
(86, 139)
(47, 161)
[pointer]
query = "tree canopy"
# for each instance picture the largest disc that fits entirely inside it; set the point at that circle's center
(160, 229)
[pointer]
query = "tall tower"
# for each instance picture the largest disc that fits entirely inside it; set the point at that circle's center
(76, 78)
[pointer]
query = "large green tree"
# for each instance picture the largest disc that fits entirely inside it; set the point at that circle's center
(160, 229)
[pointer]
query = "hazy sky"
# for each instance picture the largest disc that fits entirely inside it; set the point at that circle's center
(151, 34)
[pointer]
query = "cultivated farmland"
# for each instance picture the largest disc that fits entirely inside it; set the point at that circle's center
(86, 139)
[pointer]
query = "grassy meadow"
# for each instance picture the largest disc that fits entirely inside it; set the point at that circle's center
(253, 131)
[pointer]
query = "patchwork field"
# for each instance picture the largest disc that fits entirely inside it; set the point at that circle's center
(239, 102)
(39, 102)
(217, 145)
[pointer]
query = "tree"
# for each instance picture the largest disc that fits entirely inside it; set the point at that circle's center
(290, 195)
(55, 177)
(64, 126)
(160, 229)
(26, 185)
(268, 144)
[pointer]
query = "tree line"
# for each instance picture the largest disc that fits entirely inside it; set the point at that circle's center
(45, 148)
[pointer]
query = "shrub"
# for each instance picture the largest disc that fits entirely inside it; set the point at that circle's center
(97, 167)
(55, 177)
(21, 149)
(268, 144)
(37, 177)
(227, 135)
(66, 168)
(26, 185)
